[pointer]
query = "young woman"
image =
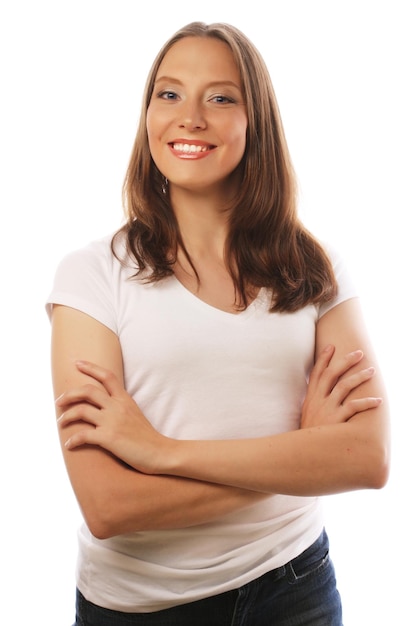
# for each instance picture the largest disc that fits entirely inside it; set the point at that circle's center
(213, 373)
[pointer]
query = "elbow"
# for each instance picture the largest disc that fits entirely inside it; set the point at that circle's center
(100, 526)
(107, 518)
(102, 519)
(373, 455)
(378, 479)
(382, 475)
(100, 531)
(378, 470)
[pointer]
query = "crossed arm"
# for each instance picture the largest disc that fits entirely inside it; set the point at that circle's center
(114, 498)
(127, 476)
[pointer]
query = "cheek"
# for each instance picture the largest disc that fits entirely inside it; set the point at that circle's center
(154, 121)
(239, 135)
(152, 130)
(238, 127)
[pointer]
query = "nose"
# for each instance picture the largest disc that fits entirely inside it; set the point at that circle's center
(192, 117)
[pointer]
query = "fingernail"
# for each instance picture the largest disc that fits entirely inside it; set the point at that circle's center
(81, 363)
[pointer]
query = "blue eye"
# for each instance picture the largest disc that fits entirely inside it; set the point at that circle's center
(167, 95)
(222, 100)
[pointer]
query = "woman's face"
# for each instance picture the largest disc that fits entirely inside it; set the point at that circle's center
(196, 119)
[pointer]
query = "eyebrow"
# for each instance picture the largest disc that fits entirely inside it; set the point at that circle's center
(227, 83)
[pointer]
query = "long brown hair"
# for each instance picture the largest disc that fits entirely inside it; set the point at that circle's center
(267, 245)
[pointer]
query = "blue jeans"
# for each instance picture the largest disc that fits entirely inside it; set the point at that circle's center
(301, 593)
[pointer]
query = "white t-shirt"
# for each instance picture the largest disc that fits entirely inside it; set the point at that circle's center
(197, 372)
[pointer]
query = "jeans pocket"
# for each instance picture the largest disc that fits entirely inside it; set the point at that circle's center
(311, 562)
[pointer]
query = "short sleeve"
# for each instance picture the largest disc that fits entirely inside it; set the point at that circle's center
(84, 281)
(346, 288)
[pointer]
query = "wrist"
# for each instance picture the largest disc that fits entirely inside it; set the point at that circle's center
(166, 456)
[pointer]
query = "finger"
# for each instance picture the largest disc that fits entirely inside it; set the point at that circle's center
(344, 386)
(322, 362)
(353, 407)
(328, 370)
(83, 437)
(338, 367)
(87, 393)
(105, 376)
(80, 413)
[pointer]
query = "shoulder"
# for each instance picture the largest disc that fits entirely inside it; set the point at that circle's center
(85, 279)
(101, 257)
(95, 254)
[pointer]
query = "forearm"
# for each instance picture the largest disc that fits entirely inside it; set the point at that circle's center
(175, 502)
(347, 449)
(116, 499)
(310, 462)
(343, 442)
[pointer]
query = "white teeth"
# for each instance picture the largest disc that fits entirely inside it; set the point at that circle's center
(187, 147)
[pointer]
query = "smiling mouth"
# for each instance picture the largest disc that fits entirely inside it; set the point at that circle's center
(190, 148)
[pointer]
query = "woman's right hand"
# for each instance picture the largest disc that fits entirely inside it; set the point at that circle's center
(114, 499)
(331, 381)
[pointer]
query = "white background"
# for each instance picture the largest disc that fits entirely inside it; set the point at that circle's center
(72, 75)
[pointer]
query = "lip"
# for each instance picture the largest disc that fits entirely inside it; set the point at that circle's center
(190, 148)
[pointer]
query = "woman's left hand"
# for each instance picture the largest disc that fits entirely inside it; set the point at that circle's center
(119, 426)
(331, 381)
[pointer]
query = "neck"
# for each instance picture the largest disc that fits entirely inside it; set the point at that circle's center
(203, 222)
